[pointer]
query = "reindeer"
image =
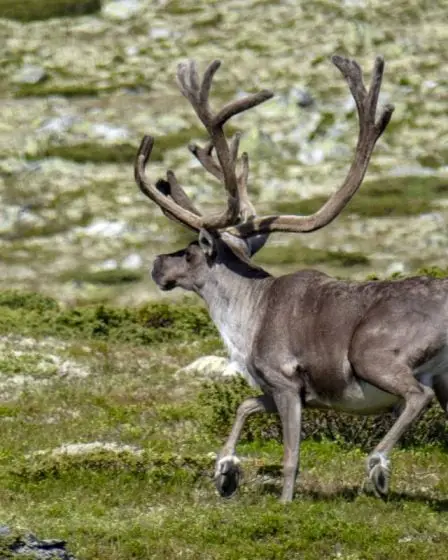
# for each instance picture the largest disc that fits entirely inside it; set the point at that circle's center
(307, 339)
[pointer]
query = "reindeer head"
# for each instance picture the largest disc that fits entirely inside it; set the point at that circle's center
(190, 267)
(234, 235)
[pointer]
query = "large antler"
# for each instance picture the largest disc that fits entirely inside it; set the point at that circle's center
(370, 129)
(175, 203)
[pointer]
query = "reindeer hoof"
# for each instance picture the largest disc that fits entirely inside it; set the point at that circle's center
(378, 470)
(227, 475)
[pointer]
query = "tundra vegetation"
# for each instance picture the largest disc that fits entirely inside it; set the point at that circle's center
(97, 366)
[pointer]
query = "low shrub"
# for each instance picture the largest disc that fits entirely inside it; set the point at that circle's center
(154, 466)
(220, 400)
(36, 315)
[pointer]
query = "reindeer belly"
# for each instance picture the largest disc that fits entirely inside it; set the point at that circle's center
(358, 397)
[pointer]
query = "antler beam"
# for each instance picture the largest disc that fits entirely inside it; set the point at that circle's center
(370, 129)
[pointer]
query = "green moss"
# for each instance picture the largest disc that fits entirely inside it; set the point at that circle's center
(76, 89)
(49, 88)
(208, 20)
(433, 271)
(92, 152)
(296, 253)
(180, 8)
(118, 153)
(29, 10)
(392, 196)
(435, 159)
(106, 277)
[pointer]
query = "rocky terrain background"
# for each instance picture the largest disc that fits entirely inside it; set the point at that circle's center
(77, 94)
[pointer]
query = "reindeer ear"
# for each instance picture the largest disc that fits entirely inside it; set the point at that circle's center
(256, 242)
(207, 242)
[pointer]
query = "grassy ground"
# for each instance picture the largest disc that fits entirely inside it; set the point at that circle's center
(142, 485)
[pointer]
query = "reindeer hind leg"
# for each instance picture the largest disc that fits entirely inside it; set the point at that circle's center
(384, 371)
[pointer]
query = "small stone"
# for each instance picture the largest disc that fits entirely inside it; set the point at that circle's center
(395, 268)
(109, 264)
(210, 366)
(132, 262)
(30, 74)
(105, 228)
(109, 132)
(311, 156)
(132, 50)
(159, 33)
(120, 10)
(57, 125)
(302, 97)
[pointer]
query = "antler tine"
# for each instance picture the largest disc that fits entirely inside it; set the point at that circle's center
(240, 105)
(170, 187)
(352, 73)
(207, 80)
(366, 102)
(370, 129)
(247, 208)
(173, 208)
(234, 146)
(163, 186)
(205, 157)
(198, 95)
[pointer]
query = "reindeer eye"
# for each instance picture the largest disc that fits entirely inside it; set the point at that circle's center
(188, 255)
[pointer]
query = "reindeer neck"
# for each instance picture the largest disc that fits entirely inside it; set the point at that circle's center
(235, 299)
(234, 289)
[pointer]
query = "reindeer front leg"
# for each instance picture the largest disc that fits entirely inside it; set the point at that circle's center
(290, 409)
(228, 472)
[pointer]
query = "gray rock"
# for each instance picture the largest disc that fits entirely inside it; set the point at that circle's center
(104, 228)
(310, 155)
(109, 132)
(4, 531)
(395, 268)
(302, 97)
(209, 367)
(57, 125)
(120, 10)
(30, 546)
(30, 74)
(109, 264)
(159, 33)
(132, 262)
